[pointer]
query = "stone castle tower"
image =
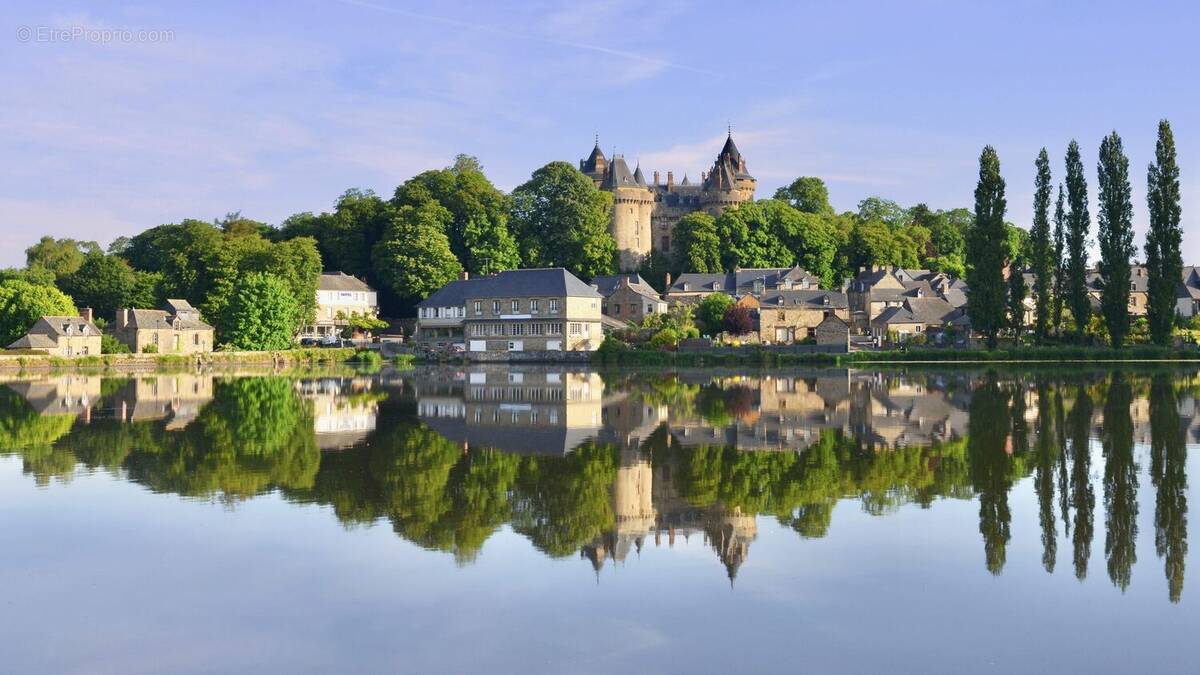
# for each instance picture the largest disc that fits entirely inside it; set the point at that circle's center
(644, 214)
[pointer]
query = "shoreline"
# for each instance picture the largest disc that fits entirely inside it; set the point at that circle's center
(146, 363)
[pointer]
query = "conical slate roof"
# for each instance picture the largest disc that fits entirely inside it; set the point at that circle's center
(618, 174)
(638, 176)
(594, 160)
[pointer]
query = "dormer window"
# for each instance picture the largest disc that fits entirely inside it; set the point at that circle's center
(716, 285)
(687, 286)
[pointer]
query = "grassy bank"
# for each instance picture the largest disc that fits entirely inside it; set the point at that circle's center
(758, 356)
(151, 362)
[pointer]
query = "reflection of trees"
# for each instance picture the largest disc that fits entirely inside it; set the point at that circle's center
(1168, 473)
(23, 430)
(1046, 457)
(1120, 482)
(563, 503)
(255, 435)
(990, 466)
(1083, 497)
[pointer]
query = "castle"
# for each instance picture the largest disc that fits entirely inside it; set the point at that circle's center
(644, 214)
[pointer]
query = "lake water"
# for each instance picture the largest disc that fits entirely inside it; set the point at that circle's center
(548, 520)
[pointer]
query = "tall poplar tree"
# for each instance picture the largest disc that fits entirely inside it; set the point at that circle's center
(1039, 235)
(1114, 219)
(1060, 266)
(1164, 262)
(987, 247)
(1078, 224)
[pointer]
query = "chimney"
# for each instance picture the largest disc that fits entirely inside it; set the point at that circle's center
(670, 179)
(668, 279)
(122, 318)
(465, 275)
(656, 178)
(85, 313)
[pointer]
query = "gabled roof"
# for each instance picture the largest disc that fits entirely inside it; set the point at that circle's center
(340, 281)
(177, 306)
(161, 319)
(929, 310)
(34, 341)
(773, 278)
(833, 320)
(55, 326)
(608, 284)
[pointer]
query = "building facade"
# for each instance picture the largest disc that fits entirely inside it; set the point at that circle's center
(531, 310)
(174, 329)
(340, 296)
(627, 297)
(787, 317)
(61, 336)
(645, 213)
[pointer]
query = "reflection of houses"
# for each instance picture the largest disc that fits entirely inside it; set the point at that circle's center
(176, 398)
(63, 395)
(528, 411)
(344, 410)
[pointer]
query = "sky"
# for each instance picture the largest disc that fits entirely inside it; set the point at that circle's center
(117, 117)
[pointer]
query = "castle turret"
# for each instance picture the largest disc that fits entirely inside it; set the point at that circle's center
(729, 181)
(595, 165)
(633, 206)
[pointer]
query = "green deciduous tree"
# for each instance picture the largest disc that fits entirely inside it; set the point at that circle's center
(1078, 223)
(808, 195)
(560, 219)
(261, 314)
(710, 312)
(60, 256)
(23, 303)
(696, 245)
(986, 250)
(885, 211)
(748, 239)
(1114, 220)
(810, 238)
(1164, 261)
(103, 282)
(414, 256)
(1039, 233)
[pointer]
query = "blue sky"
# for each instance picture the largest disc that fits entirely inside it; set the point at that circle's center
(274, 108)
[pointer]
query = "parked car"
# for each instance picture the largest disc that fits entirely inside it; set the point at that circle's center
(309, 342)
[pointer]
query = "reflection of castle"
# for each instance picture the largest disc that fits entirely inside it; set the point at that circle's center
(344, 410)
(527, 411)
(644, 502)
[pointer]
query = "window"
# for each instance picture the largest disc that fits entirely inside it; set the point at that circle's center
(495, 307)
(617, 308)
(478, 308)
(516, 306)
(632, 308)
(195, 338)
(533, 306)
(554, 305)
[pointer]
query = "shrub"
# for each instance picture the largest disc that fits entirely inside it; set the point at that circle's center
(666, 338)
(111, 345)
(150, 349)
(738, 320)
(367, 357)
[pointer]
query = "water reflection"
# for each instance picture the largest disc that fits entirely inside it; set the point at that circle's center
(601, 465)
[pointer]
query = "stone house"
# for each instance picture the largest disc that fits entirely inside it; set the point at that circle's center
(694, 286)
(880, 288)
(834, 330)
(175, 329)
(785, 317)
(627, 297)
(530, 310)
(61, 336)
(1139, 289)
(917, 316)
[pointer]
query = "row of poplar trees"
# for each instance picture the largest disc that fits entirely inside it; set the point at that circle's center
(1058, 258)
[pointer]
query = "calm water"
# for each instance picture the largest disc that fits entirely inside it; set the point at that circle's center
(549, 520)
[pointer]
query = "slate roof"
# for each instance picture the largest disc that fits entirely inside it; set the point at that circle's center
(1139, 283)
(606, 284)
(34, 341)
(144, 319)
(816, 299)
(743, 280)
(589, 164)
(55, 326)
(928, 311)
(453, 294)
(340, 281)
(619, 175)
(547, 281)
(638, 176)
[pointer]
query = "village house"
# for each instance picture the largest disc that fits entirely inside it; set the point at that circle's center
(1139, 289)
(916, 316)
(834, 330)
(879, 288)
(529, 310)
(176, 329)
(785, 317)
(627, 297)
(693, 286)
(1187, 297)
(340, 296)
(62, 336)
